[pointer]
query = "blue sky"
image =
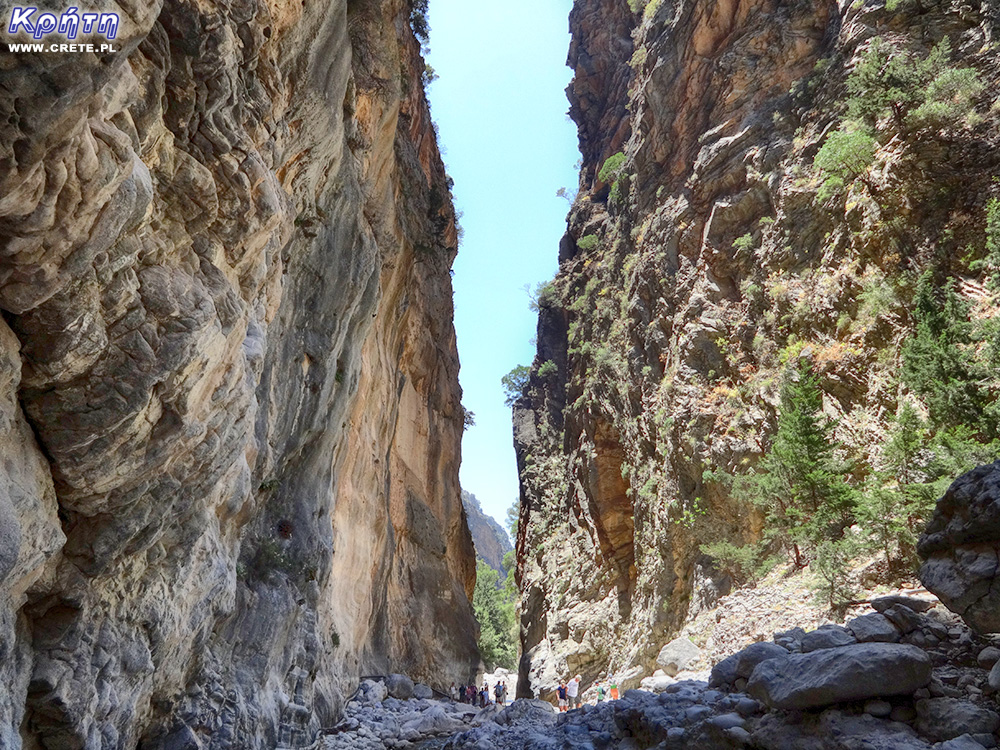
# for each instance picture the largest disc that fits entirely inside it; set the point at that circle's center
(500, 106)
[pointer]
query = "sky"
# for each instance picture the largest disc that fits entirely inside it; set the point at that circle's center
(500, 106)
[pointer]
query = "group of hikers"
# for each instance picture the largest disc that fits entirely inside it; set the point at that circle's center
(568, 693)
(481, 696)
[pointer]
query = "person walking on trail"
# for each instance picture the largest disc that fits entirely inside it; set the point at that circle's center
(614, 689)
(498, 693)
(573, 692)
(453, 693)
(561, 692)
(461, 694)
(600, 692)
(504, 693)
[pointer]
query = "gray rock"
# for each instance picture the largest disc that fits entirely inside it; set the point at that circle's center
(855, 672)
(755, 654)
(827, 636)
(873, 628)
(905, 619)
(965, 742)
(947, 718)
(988, 657)
(878, 708)
(959, 548)
(994, 677)
(399, 686)
(882, 603)
(657, 683)
(677, 656)
(724, 673)
(422, 692)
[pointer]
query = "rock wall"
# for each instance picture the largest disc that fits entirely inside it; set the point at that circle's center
(489, 538)
(231, 418)
(692, 273)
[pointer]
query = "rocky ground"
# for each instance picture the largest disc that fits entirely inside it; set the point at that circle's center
(904, 674)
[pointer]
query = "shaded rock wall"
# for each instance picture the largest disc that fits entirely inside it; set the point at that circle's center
(231, 414)
(692, 276)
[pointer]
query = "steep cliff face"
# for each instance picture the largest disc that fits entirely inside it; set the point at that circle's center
(702, 256)
(491, 541)
(231, 414)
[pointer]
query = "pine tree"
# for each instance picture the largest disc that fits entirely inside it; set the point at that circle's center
(940, 362)
(800, 483)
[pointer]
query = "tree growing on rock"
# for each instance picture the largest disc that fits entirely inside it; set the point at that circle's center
(800, 483)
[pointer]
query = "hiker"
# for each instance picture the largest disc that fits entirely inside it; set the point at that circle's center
(461, 694)
(614, 689)
(561, 692)
(573, 692)
(498, 693)
(600, 692)
(505, 692)
(453, 692)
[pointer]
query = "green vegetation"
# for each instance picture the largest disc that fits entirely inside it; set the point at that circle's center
(515, 383)
(893, 91)
(589, 242)
(799, 483)
(548, 368)
(494, 608)
(612, 167)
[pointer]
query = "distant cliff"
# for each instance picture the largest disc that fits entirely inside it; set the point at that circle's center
(709, 248)
(488, 536)
(229, 410)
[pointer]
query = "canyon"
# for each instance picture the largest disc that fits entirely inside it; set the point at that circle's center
(231, 414)
(230, 513)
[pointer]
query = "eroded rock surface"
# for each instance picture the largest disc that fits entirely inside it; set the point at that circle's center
(961, 546)
(229, 408)
(701, 258)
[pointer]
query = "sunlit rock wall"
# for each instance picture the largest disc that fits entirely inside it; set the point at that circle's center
(685, 288)
(229, 410)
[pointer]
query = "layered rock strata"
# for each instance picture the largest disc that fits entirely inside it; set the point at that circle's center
(701, 258)
(230, 411)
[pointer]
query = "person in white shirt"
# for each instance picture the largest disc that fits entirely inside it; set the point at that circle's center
(573, 692)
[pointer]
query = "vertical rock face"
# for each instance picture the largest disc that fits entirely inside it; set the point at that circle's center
(491, 541)
(692, 272)
(229, 407)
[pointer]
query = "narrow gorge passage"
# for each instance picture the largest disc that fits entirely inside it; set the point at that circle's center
(246, 502)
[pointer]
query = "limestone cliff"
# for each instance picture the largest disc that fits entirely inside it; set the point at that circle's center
(702, 255)
(488, 536)
(231, 418)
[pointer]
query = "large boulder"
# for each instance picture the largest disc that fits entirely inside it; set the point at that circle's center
(856, 672)
(677, 656)
(960, 548)
(400, 686)
(873, 628)
(948, 718)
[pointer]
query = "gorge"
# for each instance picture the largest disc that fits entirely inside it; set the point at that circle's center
(230, 512)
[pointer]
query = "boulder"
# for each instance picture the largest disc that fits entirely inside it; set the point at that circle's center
(948, 718)
(882, 603)
(959, 548)
(372, 691)
(988, 657)
(856, 672)
(827, 636)
(400, 686)
(724, 673)
(677, 656)
(873, 628)
(657, 683)
(755, 654)
(422, 692)
(994, 677)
